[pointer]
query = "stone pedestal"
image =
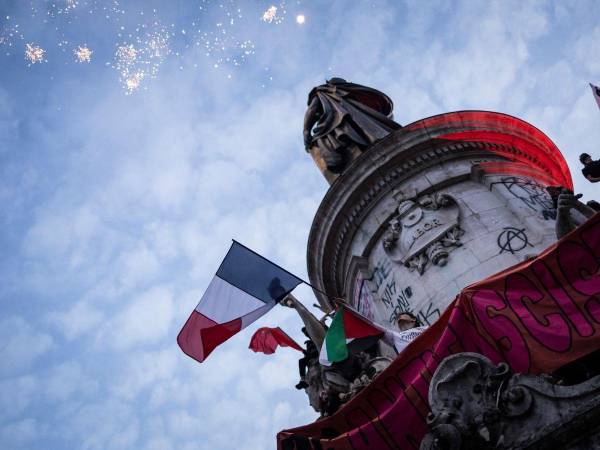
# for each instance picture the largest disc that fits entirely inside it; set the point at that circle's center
(430, 209)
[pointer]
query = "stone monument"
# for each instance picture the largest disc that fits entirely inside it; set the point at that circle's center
(415, 214)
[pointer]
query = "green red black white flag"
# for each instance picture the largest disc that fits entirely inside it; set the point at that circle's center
(346, 327)
(351, 332)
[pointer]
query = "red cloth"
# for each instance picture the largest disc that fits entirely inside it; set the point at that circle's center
(266, 340)
(536, 316)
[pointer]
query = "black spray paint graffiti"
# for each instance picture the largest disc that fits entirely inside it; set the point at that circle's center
(381, 271)
(513, 240)
(534, 195)
(398, 299)
(389, 294)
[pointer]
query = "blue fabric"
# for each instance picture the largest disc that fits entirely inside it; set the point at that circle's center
(256, 275)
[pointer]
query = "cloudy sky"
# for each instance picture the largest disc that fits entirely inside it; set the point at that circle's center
(117, 203)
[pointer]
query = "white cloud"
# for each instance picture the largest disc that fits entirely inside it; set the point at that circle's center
(587, 48)
(145, 320)
(9, 124)
(21, 343)
(68, 379)
(145, 369)
(143, 193)
(16, 395)
(17, 434)
(81, 318)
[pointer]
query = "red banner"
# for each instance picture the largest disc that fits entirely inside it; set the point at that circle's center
(537, 316)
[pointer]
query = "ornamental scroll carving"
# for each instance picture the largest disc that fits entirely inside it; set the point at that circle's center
(424, 231)
(477, 405)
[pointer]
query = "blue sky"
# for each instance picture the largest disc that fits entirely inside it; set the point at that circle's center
(117, 207)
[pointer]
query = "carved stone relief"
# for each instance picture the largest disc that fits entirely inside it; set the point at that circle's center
(424, 231)
(477, 405)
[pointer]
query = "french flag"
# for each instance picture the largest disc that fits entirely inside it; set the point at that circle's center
(245, 287)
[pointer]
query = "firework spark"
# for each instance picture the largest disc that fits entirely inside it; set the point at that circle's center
(133, 82)
(127, 54)
(34, 54)
(270, 14)
(300, 19)
(83, 53)
(142, 58)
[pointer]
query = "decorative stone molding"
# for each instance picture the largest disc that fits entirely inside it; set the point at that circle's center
(403, 156)
(424, 231)
(341, 212)
(478, 405)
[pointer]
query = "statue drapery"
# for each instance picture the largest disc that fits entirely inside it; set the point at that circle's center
(342, 115)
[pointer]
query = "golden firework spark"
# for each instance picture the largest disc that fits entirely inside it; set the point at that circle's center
(83, 53)
(270, 14)
(34, 54)
(300, 19)
(133, 82)
(127, 54)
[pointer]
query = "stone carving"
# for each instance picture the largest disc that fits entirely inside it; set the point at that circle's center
(342, 116)
(328, 388)
(424, 231)
(571, 212)
(477, 405)
(370, 368)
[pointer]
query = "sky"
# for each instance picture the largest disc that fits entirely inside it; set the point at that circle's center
(124, 178)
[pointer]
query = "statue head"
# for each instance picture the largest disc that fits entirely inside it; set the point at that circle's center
(335, 80)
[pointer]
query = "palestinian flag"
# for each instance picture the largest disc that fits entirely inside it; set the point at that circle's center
(345, 328)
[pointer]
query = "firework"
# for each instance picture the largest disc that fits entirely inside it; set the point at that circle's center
(300, 19)
(270, 14)
(83, 54)
(127, 54)
(133, 82)
(34, 54)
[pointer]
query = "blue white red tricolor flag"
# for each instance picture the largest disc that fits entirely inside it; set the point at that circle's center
(596, 91)
(245, 287)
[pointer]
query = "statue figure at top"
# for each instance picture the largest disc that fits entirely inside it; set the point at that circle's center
(343, 119)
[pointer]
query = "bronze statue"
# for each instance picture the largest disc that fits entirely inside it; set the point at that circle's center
(328, 387)
(342, 116)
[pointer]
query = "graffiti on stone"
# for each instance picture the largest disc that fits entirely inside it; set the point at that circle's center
(402, 305)
(513, 240)
(388, 293)
(382, 270)
(429, 315)
(364, 299)
(531, 193)
(395, 299)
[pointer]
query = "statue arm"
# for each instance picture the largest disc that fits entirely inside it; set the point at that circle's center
(567, 201)
(310, 118)
(314, 327)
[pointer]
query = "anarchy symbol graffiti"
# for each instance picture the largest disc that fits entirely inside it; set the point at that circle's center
(513, 240)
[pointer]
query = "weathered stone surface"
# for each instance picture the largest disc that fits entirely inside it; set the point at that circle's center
(476, 405)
